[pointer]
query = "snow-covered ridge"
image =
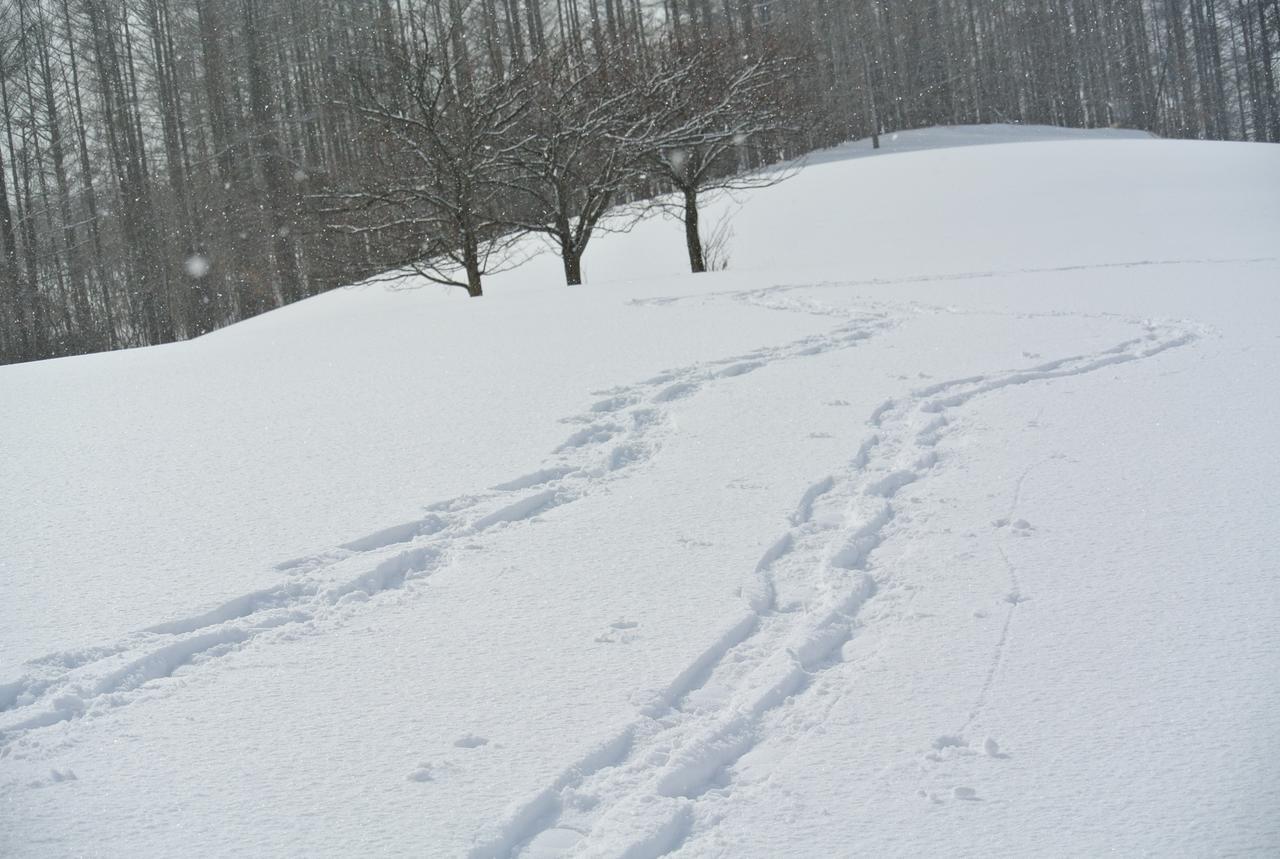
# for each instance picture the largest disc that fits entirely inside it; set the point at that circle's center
(940, 523)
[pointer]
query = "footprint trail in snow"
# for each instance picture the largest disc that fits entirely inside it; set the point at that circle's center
(612, 439)
(660, 779)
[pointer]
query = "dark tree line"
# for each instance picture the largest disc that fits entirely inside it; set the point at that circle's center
(168, 167)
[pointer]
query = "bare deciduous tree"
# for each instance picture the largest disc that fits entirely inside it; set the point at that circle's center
(581, 151)
(440, 179)
(716, 113)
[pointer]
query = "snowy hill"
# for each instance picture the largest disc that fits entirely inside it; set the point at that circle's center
(943, 522)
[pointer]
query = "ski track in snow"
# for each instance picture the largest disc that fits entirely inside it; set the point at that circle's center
(615, 436)
(1013, 598)
(646, 790)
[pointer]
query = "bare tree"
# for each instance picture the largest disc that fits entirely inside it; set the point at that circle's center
(714, 116)
(581, 150)
(439, 183)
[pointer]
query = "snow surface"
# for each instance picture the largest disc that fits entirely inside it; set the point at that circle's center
(944, 522)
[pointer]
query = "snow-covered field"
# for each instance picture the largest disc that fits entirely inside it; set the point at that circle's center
(943, 523)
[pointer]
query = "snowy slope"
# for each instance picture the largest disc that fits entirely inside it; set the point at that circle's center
(944, 521)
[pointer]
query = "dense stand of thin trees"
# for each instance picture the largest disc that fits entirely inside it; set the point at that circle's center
(171, 166)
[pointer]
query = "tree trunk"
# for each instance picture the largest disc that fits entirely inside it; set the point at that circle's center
(277, 195)
(873, 118)
(1269, 96)
(12, 306)
(474, 287)
(71, 250)
(471, 262)
(572, 267)
(692, 238)
(86, 178)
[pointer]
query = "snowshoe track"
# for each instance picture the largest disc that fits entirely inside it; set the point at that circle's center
(646, 796)
(615, 437)
(648, 788)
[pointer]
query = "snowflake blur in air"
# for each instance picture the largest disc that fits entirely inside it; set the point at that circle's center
(197, 265)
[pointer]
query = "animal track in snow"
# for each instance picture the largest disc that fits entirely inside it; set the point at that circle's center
(56, 776)
(424, 772)
(621, 631)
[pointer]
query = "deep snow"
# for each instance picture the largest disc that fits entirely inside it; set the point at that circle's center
(942, 522)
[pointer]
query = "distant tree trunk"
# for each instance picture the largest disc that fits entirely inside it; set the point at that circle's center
(72, 253)
(597, 38)
(90, 194)
(30, 241)
(277, 195)
(537, 30)
(30, 308)
(175, 160)
(12, 309)
(457, 34)
(746, 14)
(514, 35)
(493, 38)
(873, 118)
(1269, 95)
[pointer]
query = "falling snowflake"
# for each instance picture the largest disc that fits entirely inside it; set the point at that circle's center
(197, 265)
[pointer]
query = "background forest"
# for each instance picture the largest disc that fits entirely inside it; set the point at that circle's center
(168, 167)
